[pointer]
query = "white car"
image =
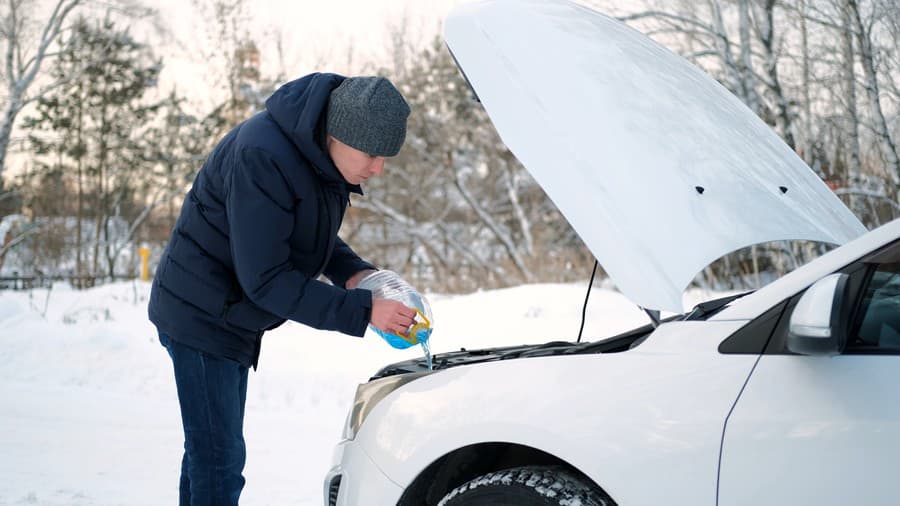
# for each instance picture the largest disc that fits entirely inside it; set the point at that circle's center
(786, 396)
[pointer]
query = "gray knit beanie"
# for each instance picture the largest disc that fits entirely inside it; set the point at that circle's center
(369, 114)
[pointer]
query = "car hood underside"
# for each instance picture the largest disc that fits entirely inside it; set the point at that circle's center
(658, 167)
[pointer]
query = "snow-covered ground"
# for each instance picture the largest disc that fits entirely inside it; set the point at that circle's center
(89, 414)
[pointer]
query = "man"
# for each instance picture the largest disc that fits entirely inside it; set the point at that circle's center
(256, 230)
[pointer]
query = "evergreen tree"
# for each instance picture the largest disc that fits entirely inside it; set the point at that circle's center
(92, 132)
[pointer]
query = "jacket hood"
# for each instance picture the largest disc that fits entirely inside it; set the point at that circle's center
(658, 167)
(297, 108)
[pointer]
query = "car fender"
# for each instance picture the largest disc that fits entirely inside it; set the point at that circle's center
(631, 421)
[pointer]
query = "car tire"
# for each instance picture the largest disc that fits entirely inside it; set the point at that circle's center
(527, 486)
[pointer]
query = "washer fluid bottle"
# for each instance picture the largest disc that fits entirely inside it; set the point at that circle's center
(389, 285)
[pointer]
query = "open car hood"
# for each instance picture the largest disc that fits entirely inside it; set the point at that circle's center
(658, 167)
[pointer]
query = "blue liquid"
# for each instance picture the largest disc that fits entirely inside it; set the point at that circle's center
(399, 342)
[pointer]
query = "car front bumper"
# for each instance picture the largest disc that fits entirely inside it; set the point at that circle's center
(354, 479)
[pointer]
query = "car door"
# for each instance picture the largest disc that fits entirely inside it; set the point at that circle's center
(824, 430)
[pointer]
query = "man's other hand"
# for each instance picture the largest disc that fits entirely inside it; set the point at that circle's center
(392, 316)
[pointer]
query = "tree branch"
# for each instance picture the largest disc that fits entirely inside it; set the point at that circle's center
(668, 15)
(18, 239)
(492, 225)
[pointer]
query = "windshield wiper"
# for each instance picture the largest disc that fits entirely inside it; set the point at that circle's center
(613, 344)
(540, 347)
(711, 307)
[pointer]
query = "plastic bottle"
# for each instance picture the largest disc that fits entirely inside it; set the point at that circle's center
(389, 285)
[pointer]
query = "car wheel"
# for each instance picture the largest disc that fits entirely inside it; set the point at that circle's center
(527, 486)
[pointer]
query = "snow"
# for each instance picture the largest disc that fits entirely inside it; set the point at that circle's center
(90, 415)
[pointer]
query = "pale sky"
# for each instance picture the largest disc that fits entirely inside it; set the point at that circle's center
(316, 35)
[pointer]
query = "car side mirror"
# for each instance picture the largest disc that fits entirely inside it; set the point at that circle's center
(818, 324)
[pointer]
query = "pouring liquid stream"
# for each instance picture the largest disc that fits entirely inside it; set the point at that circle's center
(427, 349)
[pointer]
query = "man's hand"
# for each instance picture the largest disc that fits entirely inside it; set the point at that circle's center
(356, 278)
(392, 316)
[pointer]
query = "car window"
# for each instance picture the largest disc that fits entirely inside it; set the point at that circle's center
(877, 326)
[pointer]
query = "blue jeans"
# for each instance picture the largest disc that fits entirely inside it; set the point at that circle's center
(212, 392)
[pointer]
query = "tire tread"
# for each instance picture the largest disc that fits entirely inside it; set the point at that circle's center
(554, 483)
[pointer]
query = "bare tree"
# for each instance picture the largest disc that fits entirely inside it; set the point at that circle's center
(711, 25)
(235, 58)
(805, 72)
(849, 90)
(13, 237)
(891, 19)
(764, 23)
(745, 65)
(499, 232)
(21, 66)
(863, 31)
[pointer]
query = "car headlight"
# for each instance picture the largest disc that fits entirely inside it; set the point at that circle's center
(368, 395)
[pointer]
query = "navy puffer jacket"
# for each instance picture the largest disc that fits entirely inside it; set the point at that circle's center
(257, 229)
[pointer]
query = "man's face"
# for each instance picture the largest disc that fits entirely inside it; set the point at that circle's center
(355, 165)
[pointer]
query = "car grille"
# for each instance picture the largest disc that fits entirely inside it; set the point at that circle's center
(333, 488)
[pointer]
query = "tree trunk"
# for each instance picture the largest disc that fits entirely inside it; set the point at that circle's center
(6, 122)
(866, 52)
(807, 102)
(18, 76)
(849, 92)
(504, 239)
(723, 47)
(512, 193)
(745, 66)
(766, 27)
(79, 215)
(102, 193)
